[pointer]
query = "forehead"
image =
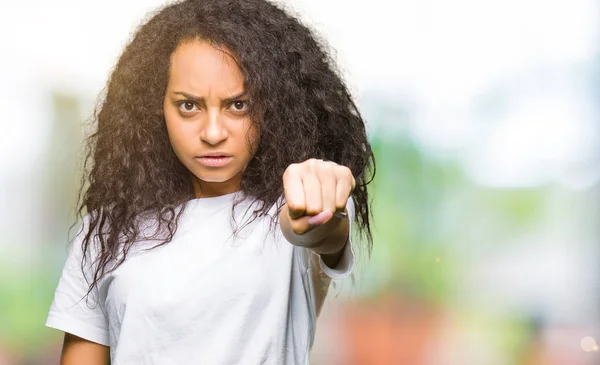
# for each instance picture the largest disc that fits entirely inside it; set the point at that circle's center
(196, 65)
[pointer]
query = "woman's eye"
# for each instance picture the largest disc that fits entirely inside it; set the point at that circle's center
(187, 106)
(239, 106)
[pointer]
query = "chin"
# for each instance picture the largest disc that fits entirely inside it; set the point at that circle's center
(215, 177)
(212, 180)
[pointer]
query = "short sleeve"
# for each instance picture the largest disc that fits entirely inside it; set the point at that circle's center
(346, 264)
(71, 310)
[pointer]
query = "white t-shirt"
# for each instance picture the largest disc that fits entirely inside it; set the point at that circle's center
(204, 297)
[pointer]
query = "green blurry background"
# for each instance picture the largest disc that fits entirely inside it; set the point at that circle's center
(484, 117)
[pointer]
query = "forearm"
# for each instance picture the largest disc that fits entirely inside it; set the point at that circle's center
(77, 350)
(327, 239)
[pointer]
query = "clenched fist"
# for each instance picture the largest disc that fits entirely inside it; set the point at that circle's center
(314, 191)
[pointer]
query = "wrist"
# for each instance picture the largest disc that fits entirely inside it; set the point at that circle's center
(316, 238)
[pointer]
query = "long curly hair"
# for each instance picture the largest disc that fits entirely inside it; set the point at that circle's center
(302, 105)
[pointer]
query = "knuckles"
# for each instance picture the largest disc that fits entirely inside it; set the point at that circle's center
(314, 164)
(290, 169)
(324, 169)
(312, 210)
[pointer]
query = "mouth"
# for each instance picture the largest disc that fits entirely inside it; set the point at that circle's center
(214, 154)
(214, 160)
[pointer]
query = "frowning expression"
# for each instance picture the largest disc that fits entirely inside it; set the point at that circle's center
(207, 116)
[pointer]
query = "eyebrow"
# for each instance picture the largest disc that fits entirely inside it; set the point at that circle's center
(198, 99)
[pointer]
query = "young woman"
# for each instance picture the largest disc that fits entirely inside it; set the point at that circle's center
(227, 169)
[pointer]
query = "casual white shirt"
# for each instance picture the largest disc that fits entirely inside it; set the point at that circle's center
(205, 297)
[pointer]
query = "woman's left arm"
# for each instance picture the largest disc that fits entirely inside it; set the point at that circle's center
(315, 190)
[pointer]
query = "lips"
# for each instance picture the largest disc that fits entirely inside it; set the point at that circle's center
(214, 154)
(214, 160)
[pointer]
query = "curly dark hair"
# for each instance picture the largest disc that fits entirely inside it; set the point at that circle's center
(302, 105)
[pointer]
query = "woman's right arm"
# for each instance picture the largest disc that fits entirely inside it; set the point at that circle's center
(77, 350)
(78, 312)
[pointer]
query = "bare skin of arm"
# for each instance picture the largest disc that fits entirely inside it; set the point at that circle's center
(77, 350)
(327, 240)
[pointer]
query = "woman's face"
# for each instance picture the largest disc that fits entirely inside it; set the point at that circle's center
(206, 112)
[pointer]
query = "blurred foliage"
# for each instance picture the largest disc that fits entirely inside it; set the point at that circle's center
(27, 285)
(409, 190)
(25, 295)
(426, 214)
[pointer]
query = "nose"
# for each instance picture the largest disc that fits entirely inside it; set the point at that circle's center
(213, 129)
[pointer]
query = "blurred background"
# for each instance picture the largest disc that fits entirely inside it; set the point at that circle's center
(485, 120)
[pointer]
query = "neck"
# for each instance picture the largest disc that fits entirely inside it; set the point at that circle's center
(204, 189)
